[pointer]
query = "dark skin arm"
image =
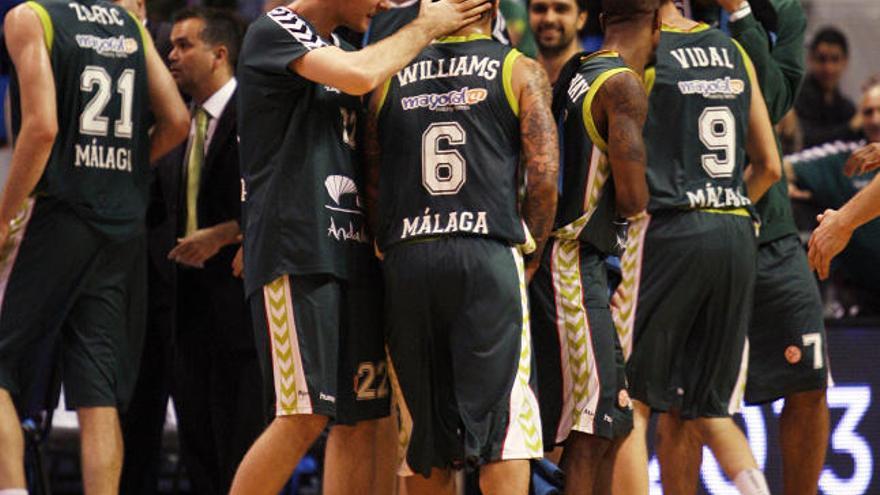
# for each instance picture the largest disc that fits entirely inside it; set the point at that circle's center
(540, 153)
(372, 155)
(620, 108)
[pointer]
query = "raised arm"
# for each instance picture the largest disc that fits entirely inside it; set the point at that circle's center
(836, 227)
(39, 118)
(172, 118)
(624, 105)
(780, 68)
(766, 166)
(361, 71)
(540, 152)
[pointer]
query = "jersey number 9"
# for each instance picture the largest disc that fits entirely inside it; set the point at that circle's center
(718, 133)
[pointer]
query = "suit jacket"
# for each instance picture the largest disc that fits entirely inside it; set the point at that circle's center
(219, 201)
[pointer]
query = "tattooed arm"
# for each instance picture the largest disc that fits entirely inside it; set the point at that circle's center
(540, 152)
(623, 104)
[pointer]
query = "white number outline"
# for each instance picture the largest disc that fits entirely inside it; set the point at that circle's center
(92, 122)
(433, 158)
(724, 141)
(125, 87)
(815, 339)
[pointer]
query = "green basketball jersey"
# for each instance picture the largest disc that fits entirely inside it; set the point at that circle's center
(450, 139)
(697, 122)
(99, 163)
(586, 209)
(302, 211)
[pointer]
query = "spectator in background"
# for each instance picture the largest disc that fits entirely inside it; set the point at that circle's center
(517, 18)
(217, 384)
(556, 24)
(823, 111)
(821, 172)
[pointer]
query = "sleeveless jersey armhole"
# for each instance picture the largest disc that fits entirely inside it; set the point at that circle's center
(587, 110)
(383, 94)
(650, 78)
(507, 79)
(750, 68)
(46, 21)
(141, 27)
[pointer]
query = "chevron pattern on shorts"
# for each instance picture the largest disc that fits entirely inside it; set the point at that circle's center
(528, 418)
(623, 303)
(297, 28)
(404, 420)
(575, 329)
(600, 171)
(281, 333)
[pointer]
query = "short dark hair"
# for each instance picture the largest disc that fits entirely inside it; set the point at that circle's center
(832, 36)
(222, 27)
(581, 5)
(628, 8)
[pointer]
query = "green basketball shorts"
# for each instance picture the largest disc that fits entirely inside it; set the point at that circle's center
(61, 279)
(460, 348)
(321, 347)
(683, 308)
(581, 372)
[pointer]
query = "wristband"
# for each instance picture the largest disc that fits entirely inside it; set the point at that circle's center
(742, 12)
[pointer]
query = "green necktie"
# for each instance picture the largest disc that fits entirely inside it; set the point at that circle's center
(194, 170)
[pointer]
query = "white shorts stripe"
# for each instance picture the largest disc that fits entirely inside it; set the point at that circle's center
(291, 389)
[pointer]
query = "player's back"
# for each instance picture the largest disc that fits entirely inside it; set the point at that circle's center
(99, 163)
(449, 132)
(697, 122)
(586, 209)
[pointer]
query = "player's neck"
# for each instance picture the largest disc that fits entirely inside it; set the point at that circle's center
(671, 16)
(316, 12)
(483, 28)
(552, 61)
(623, 41)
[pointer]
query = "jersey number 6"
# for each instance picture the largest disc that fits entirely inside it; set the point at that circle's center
(443, 170)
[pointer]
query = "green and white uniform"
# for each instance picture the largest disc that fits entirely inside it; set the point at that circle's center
(75, 257)
(581, 373)
(308, 259)
(457, 313)
(689, 265)
(787, 327)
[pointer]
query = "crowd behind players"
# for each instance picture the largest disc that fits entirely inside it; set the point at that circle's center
(195, 261)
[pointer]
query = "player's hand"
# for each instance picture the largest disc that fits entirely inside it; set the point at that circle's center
(442, 17)
(829, 239)
(197, 247)
(794, 192)
(730, 5)
(238, 263)
(863, 160)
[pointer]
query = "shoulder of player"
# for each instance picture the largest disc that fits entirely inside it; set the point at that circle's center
(282, 22)
(22, 21)
(529, 75)
(622, 93)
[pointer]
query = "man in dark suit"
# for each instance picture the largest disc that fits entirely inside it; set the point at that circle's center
(216, 382)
